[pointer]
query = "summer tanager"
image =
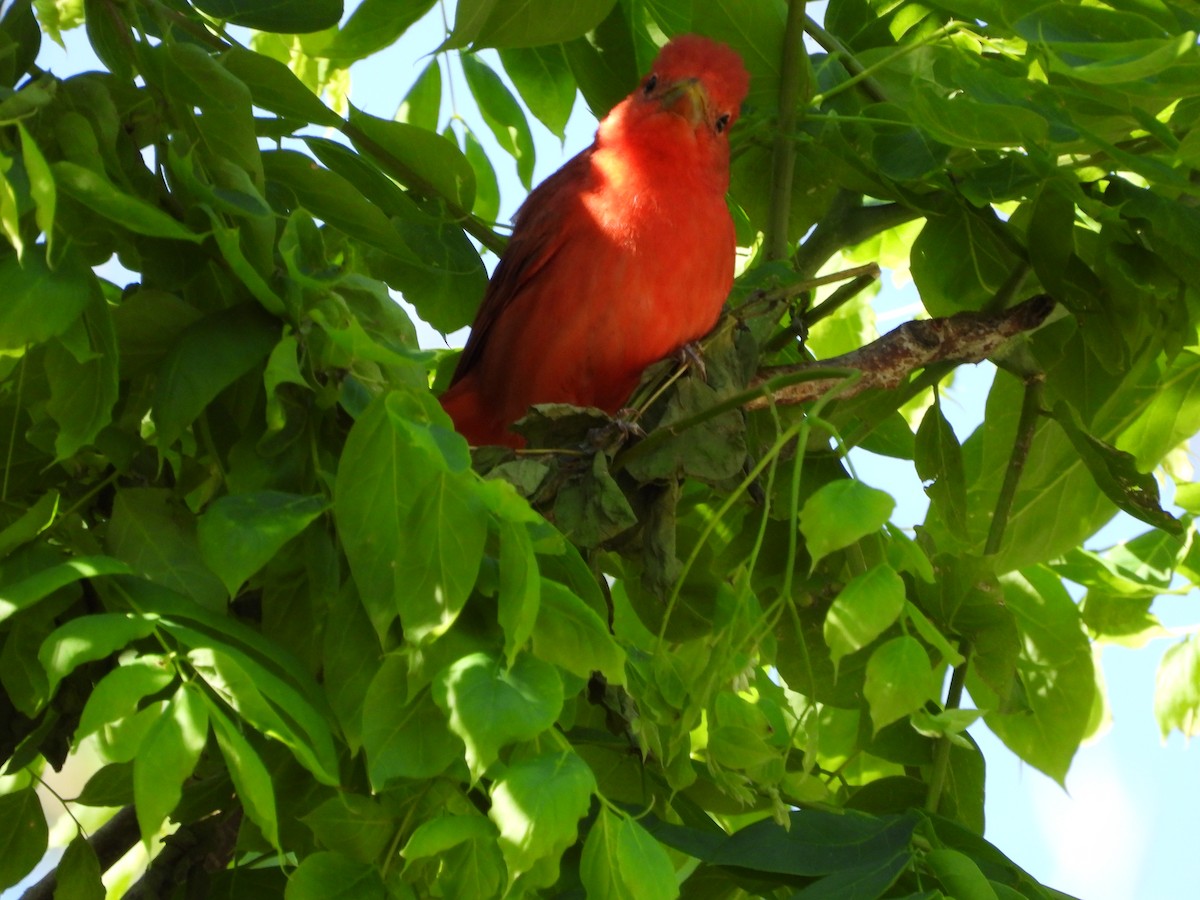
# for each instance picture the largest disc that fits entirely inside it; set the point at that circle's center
(620, 258)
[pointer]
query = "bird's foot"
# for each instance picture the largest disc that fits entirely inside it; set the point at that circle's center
(619, 431)
(690, 355)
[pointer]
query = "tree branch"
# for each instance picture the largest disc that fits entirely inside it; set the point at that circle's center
(783, 162)
(941, 759)
(847, 223)
(887, 362)
(110, 841)
(1031, 408)
(866, 83)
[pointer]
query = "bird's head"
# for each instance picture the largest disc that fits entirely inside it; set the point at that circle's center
(699, 79)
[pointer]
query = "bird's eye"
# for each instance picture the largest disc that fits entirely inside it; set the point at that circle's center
(651, 84)
(722, 123)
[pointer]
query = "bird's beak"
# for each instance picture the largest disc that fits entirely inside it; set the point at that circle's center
(688, 98)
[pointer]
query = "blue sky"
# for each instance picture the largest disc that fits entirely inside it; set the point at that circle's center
(1126, 826)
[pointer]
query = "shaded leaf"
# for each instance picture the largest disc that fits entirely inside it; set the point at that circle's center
(1177, 689)
(490, 706)
(23, 835)
(283, 16)
(169, 753)
(537, 805)
(841, 512)
(240, 533)
(899, 680)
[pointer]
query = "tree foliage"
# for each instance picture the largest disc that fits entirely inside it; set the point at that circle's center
(248, 566)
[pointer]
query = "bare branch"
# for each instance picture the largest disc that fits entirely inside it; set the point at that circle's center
(887, 362)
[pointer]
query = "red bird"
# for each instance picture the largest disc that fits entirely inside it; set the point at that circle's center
(620, 258)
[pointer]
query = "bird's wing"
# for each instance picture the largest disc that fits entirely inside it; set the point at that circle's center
(540, 228)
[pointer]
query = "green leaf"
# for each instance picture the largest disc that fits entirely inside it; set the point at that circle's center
(841, 512)
(23, 835)
(41, 186)
(157, 538)
(117, 695)
(249, 775)
(486, 23)
(899, 680)
(332, 198)
(1177, 689)
(960, 121)
(100, 195)
(422, 105)
(959, 260)
(270, 703)
(437, 835)
(404, 737)
(226, 125)
(569, 633)
(352, 824)
(275, 87)
(591, 507)
(449, 279)
(32, 522)
(88, 638)
(29, 590)
(407, 515)
(490, 707)
(332, 876)
(26, 102)
(622, 860)
(537, 805)
(78, 873)
(1166, 416)
(350, 658)
(240, 533)
(815, 843)
(109, 35)
(168, 756)
(208, 357)
(502, 114)
(487, 188)
(39, 302)
(10, 213)
(1056, 24)
(958, 874)
(279, 16)
(543, 78)
(939, 463)
(866, 607)
(373, 26)
(422, 160)
(83, 391)
(111, 785)
(1116, 473)
(520, 588)
(1055, 673)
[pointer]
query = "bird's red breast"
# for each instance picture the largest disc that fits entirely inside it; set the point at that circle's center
(621, 257)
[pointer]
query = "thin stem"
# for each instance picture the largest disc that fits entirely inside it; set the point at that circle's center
(864, 74)
(766, 389)
(57, 796)
(761, 302)
(791, 79)
(1031, 408)
(12, 434)
(941, 756)
(1012, 285)
(857, 70)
